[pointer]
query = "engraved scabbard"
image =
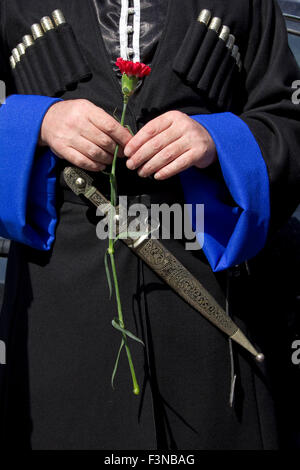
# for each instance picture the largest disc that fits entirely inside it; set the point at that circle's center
(164, 264)
(167, 266)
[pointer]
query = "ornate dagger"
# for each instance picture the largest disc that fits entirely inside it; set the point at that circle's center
(165, 265)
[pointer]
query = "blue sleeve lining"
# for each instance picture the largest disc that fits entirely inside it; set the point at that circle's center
(232, 233)
(28, 179)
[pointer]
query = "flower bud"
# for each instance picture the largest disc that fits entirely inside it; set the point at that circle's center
(129, 84)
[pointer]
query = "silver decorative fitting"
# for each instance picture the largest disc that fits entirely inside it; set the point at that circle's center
(58, 17)
(130, 51)
(235, 51)
(131, 11)
(80, 183)
(47, 23)
(28, 40)
(224, 33)
(204, 17)
(260, 357)
(129, 29)
(12, 62)
(239, 64)
(215, 24)
(230, 42)
(37, 31)
(16, 55)
(21, 49)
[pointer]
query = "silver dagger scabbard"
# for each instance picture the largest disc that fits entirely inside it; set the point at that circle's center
(165, 265)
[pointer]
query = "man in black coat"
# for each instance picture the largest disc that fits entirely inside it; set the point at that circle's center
(221, 131)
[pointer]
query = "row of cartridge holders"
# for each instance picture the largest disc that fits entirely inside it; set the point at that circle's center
(49, 60)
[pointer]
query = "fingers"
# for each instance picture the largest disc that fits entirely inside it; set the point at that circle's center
(92, 151)
(78, 159)
(149, 131)
(163, 158)
(153, 147)
(170, 144)
(107, 124)
(176, 166)
(100, 139)
(82, 126)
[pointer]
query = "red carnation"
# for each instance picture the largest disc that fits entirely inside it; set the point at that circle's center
(130, 68)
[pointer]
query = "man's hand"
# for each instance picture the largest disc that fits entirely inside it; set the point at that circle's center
(168, 145)
(82, 133)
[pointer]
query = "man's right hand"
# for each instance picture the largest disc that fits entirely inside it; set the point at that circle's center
(83, 134)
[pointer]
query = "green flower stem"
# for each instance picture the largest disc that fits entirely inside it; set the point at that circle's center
(111, 251)
(136, 388)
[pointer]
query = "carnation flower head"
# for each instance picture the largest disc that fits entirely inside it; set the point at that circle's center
(130, 68)
(131, 73)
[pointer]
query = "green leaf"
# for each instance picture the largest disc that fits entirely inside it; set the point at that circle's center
(130, 130)
(108, 273)
(117, 363)
(117, 326)
(115, 115)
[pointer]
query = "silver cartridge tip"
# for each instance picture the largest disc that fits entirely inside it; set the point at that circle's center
(215, 24)
(16, 55)
(47, 23)
(224, 33)
(230, 42)
(28, 40)
(238, 61)
(37, 31)
(21, 49)
(58, 17)
(235, 51)
(204, 17)
(12, 62)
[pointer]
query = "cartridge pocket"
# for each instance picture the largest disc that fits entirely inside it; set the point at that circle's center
(209, 60)
(51, 60)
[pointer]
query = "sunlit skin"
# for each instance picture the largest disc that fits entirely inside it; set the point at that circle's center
(85, 135)
(168, 145)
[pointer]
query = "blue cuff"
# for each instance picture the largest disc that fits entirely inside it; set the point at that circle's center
(234, 232)
(27, 189)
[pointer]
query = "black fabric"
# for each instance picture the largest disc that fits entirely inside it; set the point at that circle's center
(228, 83)
(39, 67)
(56, 319)
(23, 77)
(62, 349)
(189, 48)
(76, 68)
(58, 61)
(43, 63)
(212, 68)
(219, 79)
(205, 50)
(32, 84)
(19, 77)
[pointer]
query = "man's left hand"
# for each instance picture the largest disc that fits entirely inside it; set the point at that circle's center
(168, 145)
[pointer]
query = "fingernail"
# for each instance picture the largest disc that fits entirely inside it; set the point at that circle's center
(157, 176)
(127, 152)
(130, 164)
(141, 174)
